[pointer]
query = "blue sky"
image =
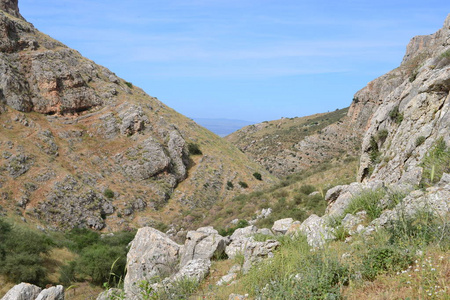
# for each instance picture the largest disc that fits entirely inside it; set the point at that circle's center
(252, 60)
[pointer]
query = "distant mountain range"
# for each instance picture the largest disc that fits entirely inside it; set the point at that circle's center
(222, 127)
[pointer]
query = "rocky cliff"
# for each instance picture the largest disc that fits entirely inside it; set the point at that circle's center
(405, 111)
(82, 147)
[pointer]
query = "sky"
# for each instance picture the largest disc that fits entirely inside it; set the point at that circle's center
(253, 60)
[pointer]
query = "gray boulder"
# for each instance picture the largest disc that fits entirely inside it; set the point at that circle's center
(316, 231)
(22, 291)
(204, 243)
(255, 252)
(282, 226)
(111, 294)
(52, 293)
(152, 254)
(196, 269)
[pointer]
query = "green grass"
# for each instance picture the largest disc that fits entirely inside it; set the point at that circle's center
(367, 201)
(435, 163)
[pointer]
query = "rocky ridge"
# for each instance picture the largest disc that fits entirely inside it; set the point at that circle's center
(292, 145)
(82, 147)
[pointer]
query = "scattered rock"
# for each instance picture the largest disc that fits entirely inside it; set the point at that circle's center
(282, 226)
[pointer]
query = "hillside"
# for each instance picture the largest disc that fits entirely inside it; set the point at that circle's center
(292, 145)
(82, 147)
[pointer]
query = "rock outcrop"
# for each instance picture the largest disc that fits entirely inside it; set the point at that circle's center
(406, 111)
(11, 7)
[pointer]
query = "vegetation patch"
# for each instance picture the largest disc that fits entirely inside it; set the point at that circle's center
(435, 163)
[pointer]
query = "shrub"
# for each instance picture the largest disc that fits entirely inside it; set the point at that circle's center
(435, 163)
(98, 261)
(374, 154)
(230, 185)
(445, 54)
(243, 184)
(194, 149)
(22, 254)
(420, 140)
(382, 135)
(396, 115)
(307, 189)
(108, 193)
(257, 176)
(129, 84)
(384, 258)
(80, 238)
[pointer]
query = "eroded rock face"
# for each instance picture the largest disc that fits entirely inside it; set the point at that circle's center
(406, 111)
(152, 254)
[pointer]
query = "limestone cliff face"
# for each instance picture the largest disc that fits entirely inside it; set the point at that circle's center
(82, 147)
(11, 7)
(405, 111)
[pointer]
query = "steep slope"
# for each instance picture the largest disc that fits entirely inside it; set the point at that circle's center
(81, 146)
(291, 145)
(406, 111)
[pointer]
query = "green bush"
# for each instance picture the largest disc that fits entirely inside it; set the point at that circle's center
(98, 261)
(374, 153)
(22, 254)
(435, 163)
(243, 184)
(257, 176)
(307, 189)
(384, 259)
(396, 115)
(194, 149)
(80, 238)
(420, 140)
(108, 193)
(382, 136)
(129, 84)
(230, 185)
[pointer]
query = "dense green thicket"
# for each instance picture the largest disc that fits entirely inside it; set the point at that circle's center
(100, 259)
(22, 254)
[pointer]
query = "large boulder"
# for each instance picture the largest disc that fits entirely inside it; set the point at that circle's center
(282, 226)
(204, 243)
(316, 231)
(255, 252)
(152, 254)
(52, 293)
(22, 291)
